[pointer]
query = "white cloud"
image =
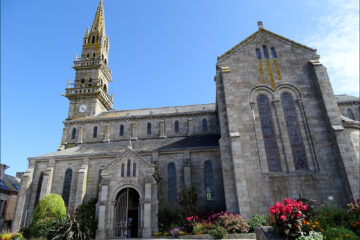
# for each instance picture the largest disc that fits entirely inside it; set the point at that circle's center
(336, 37)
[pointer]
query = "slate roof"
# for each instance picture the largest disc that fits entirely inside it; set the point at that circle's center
(142, 145)
(343, 98)
(9, 184)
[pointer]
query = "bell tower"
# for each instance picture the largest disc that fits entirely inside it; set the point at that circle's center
(88, 94)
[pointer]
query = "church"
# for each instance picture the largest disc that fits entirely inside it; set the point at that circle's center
(276, 130)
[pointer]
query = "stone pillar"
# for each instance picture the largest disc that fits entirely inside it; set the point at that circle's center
(47, 179)
(107, 133)
(162, 129)
(22, 199)
(80, 135)
(146, 232)
(103, 198)
(191, 126)
(81, 182)
(133, 130)
(64, 136)
(187, 168)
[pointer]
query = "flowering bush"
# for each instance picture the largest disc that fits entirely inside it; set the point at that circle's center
(312, 236)
(175, 232)
(308, 226)
(233, 223)
(339, 233)
(218, 232)
(11, 236)
(288, 215)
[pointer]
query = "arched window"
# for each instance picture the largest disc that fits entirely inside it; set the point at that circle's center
(273, 53)
(67, 186)
(350, 114)
(296, 142)
(105, 87)
(95, 132)
(122, 170)
(38, 191)
(258, 54)
(266, 55)
(93, 39)
(134, 169)
(148, 129)
(128, 168)
(172, 182)
(73, 134)
(176, 126)
(88, 55)
(267, 126)
(121, 130)
(82, 80)
(209, 181)
(204, 125)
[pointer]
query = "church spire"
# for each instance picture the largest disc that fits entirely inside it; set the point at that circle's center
(98, 27)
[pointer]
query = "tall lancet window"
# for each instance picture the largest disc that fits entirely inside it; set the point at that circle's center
(38, 191)
(128, 168)
(267, 126)
(121, 130)
(209, 181)
(148, 129)
(73, 134)
(176, 126)
(95, 132)
(204, 125)
(297, 145)
(172, 182)
(67, 186)
(122, 170)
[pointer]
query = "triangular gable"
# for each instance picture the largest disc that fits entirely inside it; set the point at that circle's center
(261, 29)
(124, 155)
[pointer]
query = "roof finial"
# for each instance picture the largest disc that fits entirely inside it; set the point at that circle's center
(260, 24)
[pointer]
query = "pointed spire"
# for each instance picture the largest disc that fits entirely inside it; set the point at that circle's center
(86, 33)
(98, 27)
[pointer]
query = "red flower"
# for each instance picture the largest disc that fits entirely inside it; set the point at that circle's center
(189, 218)
(298, 214)
(283, 217)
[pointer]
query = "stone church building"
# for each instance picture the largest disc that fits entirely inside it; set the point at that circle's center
(276, 130)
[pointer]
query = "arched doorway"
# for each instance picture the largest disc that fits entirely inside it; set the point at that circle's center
(126, 213)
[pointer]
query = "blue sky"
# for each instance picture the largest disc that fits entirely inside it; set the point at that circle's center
(162, 53)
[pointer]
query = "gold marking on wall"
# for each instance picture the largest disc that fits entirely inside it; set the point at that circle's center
(270, 72)
(277, 68)
(261, 71)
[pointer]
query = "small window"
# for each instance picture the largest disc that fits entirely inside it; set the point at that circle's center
(258, 54)
(266, 55)
(122, 170)
(128, 168)
(273, 53)
(121, 130)
(350, 114)
(105, 88)
(148, 128)
(95, 132)
(134, 169)
(88, 55)
(94, 55)
(176, 126)
(204, 125)
(93, 39)
(82, 80)
(73, 134)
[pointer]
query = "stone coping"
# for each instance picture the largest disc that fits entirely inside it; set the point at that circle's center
(243, 236)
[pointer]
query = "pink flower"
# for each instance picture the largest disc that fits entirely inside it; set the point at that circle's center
(283, 217)
(303, 207)
(358, 200)
(189, 218)
(298, 214)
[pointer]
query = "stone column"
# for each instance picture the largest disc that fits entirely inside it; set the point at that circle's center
(162, 129)
(80, 135)
(81, 183)
(103, 198)
(191, 126)
(64, 136)
(133, 130)
(47, 179)
(187, 168)
(146, 232)
(22, 199)
(107, 133)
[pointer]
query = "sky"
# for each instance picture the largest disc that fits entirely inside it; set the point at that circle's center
(162, 53)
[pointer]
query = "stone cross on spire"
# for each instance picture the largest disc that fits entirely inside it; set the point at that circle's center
(260, 24)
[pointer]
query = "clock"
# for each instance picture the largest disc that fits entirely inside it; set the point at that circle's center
(82, 108)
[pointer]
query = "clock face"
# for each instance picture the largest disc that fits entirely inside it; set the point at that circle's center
(82, 108)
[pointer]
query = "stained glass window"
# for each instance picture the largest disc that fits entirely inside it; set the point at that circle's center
(38, 191)
(350, 114)
(134, 169)
(128, 168)
(95, 132)
(258, 54)
(148, 128)
(267, 126)
(121, 130)
(204, 125)
(273, 53)
(209, 181)
(122, 170)
(73, 134)
(172, 182)
(67, 186)
(294, 132)
(266, 55)
(176, 126)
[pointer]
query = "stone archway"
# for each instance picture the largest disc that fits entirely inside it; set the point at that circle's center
(127, 213)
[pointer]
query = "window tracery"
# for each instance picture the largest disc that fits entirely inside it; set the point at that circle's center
(209, 181)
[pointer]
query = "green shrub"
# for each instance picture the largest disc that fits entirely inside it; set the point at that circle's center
(169, 218)
(11, 236)
(197, 228)
(339, 233)
(257, 221)
(50, 207)
(233, 223)
(187, 200)
(218, 232)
